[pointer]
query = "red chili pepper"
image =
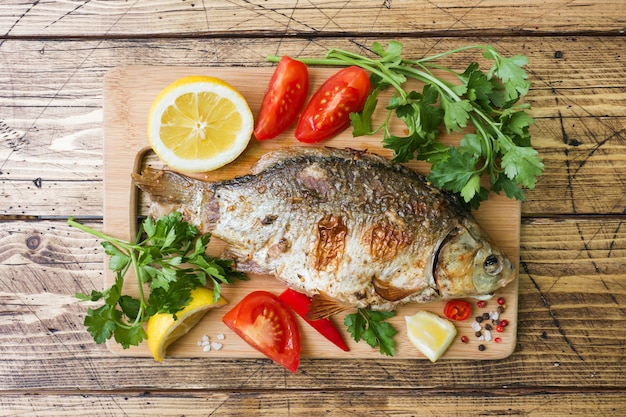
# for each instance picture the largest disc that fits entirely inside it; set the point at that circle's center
(300, 304)
(457, 310)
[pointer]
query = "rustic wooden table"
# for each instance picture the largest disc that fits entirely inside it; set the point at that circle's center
(569, 358)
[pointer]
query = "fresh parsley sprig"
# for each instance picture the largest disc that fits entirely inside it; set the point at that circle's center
(371, 326)
(498, 148)
(169, 259)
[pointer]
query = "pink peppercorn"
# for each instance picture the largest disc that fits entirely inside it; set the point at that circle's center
(481, 303)
(497, 340)
(501, 301)
(464, 339)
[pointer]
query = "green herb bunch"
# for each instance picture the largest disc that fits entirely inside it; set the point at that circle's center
(499, 146)
(169, 259)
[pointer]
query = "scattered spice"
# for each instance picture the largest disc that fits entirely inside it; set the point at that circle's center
(206, 344)
(484, 323)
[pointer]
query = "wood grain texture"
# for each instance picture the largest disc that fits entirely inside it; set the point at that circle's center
(569, 357)
(46, 124)
(405, 403)
(315, 17)
(129, 93)
(570, 318)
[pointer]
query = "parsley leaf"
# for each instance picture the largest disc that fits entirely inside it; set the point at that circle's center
(371, 326)
(170, 257)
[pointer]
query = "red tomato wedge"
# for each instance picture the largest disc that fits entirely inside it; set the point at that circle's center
(458, 310)
(267, 324)
(328, 111)
(283, 100)
(300, 304)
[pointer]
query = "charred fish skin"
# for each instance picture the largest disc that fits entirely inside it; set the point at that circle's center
(345, 224)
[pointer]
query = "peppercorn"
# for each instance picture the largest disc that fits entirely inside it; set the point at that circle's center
(481, 303)
(497, 340)
(488, 326)
(504, 323)
(479, 319)
(501, 301)
(485, 316)
(481, 347)
(478, 334)
(464, 339)
(501, 309)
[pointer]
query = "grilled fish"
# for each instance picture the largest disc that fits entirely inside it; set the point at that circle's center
(346, 227)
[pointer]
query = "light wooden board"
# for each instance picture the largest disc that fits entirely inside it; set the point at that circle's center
(128, 94)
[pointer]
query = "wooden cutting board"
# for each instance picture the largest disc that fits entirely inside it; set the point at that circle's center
(128, 95)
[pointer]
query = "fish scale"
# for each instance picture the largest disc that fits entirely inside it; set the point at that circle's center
(346, 227)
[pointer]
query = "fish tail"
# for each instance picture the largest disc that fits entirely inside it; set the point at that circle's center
(167, 187)
(170, 191)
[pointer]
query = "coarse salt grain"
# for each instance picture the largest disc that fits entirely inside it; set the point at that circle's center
(487, 335)
(476, 326)
(207, 345)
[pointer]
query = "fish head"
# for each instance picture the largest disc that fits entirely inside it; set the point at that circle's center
(466, 263)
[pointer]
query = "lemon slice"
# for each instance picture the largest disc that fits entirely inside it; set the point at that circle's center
(431, 334)
(162, 330)
(199, 123)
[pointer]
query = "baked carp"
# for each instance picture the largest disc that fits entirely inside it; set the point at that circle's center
(346, 227)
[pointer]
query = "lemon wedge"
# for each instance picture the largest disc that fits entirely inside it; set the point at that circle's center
(162, 330)
(431, 334)
(199, 123)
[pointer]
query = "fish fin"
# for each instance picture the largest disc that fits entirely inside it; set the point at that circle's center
(165, 186)
(323, 307)
(390, 293)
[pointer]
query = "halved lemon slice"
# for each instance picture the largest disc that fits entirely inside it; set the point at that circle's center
(199, 123)
(162, 330)
(431, 334)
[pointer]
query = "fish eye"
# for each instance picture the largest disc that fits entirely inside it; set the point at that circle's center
(493, 265)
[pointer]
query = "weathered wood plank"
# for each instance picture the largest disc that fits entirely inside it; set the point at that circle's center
(571, 320)
(400, 403)
(216, 17)
(51, 126)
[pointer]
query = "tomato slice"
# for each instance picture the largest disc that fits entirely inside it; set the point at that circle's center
(300, 304)
(267, 324)
(458, 310)
(328, 111)
(283, 100)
